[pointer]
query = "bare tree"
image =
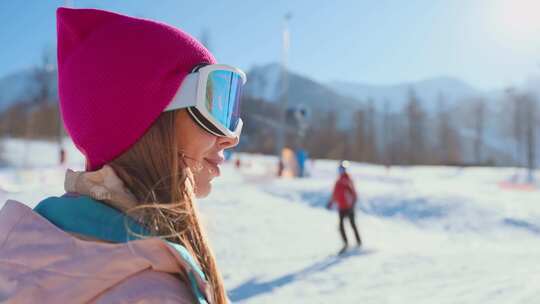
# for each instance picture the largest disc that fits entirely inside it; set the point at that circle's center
(530, 135)
(387, 135)
(359, 136)
(416, 127)
(518, 122)
(525, 119)
(42, 97)
(332, 140)
(443, 119)
(325, 140)
(2, 151)
(43, 77)
(371, 143)
(479, 119)
(397, 138)
(449, 148)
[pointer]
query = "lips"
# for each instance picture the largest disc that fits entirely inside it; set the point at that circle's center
(214, 163)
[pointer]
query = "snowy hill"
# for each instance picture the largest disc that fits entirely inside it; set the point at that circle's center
(431, 234)
(265, 82)
(428, 91)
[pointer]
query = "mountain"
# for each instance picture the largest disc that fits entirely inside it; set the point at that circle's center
(13, 87)
(533, 85)
(22, 86)
(428, 91)
(346, 97)
(264, 82)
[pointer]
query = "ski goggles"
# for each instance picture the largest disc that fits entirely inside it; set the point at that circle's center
(211, 94)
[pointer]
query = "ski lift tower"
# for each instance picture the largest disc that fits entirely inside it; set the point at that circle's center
(280, 142)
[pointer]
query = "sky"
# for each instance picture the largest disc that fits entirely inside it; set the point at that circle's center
(490, 44)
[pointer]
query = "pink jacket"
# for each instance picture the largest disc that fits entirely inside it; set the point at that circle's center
(39, 263)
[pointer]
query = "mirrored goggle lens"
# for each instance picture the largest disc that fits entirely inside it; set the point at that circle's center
(223, 94)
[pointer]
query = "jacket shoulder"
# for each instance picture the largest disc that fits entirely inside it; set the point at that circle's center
(149, 287)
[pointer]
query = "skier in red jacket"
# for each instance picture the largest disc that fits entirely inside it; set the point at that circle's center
(344, 196)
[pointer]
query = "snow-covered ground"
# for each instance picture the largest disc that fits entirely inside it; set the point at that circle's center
(431, 234)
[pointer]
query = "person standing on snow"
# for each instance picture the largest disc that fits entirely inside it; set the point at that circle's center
(344, 195)
(152, 112)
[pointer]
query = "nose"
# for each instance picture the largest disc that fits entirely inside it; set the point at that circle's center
(227, 142)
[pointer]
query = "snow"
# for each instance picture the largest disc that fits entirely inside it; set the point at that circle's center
(431, 234)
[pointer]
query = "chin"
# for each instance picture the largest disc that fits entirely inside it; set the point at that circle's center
(203, 190)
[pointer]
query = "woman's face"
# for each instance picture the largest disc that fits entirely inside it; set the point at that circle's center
(203, 151)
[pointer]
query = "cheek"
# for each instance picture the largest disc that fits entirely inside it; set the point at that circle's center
(195, 142)
(199, 149)
(206, 144)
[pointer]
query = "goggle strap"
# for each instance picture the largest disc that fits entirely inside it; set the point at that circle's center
(186, 95)
(203, 122)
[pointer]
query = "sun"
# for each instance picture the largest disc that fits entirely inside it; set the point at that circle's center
(517, 19)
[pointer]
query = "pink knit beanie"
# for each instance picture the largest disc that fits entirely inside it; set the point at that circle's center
(116, 74)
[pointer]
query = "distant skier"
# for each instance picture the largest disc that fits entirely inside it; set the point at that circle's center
(238, 163)
(62, 156)
(344, 195)
(281, 167)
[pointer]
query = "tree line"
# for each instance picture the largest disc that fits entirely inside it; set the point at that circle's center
(36, 115)
(410, 136)
(373, 132)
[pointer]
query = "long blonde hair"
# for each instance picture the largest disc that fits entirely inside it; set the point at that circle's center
(155, 171)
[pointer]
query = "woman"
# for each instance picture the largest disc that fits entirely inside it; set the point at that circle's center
(152, 113)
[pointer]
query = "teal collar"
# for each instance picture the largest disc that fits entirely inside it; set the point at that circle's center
(85, 216)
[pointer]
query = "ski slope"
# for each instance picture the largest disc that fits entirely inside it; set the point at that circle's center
(431, 234)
